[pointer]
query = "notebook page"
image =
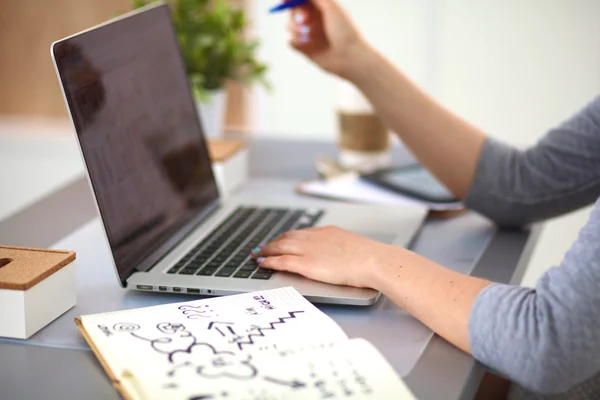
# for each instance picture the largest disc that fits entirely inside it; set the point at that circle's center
(224, 330)
(351, 369)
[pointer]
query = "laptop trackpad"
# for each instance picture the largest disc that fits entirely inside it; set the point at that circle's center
(380, 237)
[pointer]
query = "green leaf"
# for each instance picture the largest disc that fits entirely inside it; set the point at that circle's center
(214, 46)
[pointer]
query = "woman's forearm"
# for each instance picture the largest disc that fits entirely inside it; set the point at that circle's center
(444, 143)
(440, 298)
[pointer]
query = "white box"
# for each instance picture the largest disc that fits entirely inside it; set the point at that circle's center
(36, 287)
(229, 164)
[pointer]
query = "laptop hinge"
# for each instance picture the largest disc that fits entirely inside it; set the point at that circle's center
(157, 255)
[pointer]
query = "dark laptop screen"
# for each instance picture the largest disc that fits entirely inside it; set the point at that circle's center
(129, 98)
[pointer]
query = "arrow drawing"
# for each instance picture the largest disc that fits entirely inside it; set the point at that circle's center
(229, 328)
(294, 384)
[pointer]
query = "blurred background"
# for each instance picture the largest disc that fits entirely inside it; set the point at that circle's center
(514, 68)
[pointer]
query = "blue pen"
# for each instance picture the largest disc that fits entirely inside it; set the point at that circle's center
(288, 4)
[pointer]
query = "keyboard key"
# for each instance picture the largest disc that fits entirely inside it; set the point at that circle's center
(316, 217)
(232, 263)
(304, 220)
(188, 271)
(173, 270)
(243, 274)
(249, 265)
(226, 271)
(207, 271)
(277, 210)
(214, 264)
(262, 274)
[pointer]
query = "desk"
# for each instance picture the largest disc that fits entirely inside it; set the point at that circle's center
(442, 372)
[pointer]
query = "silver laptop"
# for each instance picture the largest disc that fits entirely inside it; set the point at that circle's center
(127, 92)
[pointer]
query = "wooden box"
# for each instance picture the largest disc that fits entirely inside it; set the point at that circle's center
(36, 286)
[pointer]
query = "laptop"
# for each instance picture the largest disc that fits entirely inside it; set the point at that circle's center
(168, 229)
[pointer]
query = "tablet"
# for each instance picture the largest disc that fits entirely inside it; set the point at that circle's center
(413, 181)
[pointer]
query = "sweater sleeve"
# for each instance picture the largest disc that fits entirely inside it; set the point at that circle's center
(561, 173)
(547, 339)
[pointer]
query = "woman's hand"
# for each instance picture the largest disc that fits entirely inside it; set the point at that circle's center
(440, 298)
(328, 254)
(324, 32)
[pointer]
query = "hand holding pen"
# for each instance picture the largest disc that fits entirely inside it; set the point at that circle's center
(324, 32)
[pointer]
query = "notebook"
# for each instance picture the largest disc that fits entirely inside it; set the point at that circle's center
(351, 188)
(264, 345)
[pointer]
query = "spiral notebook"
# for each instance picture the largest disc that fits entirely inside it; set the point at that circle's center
(264, 345)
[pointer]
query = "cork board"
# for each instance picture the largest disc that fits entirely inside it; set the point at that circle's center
(21, 267)
(221, 149)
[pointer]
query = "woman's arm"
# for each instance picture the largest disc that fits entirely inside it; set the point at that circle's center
(445, 144)
(441, 298)
(546, 340)
(512, 187)
(559, 174)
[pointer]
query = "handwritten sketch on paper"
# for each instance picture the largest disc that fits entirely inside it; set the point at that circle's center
(257, 346)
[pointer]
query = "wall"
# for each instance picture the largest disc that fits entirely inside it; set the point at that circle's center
(28, 84)
(27, 28)
(514, 67)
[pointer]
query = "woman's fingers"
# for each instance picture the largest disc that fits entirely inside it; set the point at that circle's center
(280, 247)
(300, 33)
(325, 5)
(282, 263)
(295, 29)
(302, 15)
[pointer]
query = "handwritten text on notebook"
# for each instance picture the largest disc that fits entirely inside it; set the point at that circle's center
(266, 345)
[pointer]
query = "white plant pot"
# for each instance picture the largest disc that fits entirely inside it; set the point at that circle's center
(212, 113)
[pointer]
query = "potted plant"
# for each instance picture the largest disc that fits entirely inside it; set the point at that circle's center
(212, 38)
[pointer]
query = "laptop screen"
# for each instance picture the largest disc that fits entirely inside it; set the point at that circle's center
(128, 94)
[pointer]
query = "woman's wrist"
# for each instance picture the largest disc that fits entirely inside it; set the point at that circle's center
(358, 58)
(384, 267)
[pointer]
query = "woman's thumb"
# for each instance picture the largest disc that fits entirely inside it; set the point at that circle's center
(325, 5)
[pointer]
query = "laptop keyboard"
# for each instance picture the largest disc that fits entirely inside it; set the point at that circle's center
(226, 250)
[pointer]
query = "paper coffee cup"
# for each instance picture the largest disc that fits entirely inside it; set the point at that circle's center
(363, 138)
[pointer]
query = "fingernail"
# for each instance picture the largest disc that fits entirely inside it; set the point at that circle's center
(260, 260)
(304, 29)
(299, 18)
(256, 250)
(304, 39)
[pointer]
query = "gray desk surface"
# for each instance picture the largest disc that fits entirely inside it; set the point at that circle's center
(442, 372)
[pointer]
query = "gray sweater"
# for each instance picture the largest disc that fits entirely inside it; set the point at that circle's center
(547, 339)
